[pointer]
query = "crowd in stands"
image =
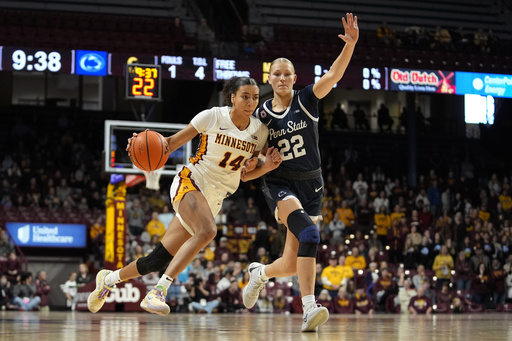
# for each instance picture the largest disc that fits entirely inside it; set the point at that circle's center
(444, 243)
(441, 247)
(439, 38)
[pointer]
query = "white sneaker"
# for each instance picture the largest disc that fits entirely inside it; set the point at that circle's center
(313, 317)
(255, 285)
(97, 298)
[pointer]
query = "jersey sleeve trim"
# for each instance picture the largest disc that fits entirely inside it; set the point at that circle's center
(307, 112)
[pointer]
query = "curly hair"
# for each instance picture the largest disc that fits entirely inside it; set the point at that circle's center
(232, 85)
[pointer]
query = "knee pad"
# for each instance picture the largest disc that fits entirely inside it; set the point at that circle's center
(302, 227)
(155, 261)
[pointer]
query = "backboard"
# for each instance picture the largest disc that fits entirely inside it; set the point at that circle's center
(116, 137)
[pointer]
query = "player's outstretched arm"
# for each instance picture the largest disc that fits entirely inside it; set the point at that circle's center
(333, 76)
(272, 161)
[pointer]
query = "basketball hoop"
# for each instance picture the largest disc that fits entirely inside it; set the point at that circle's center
(153, 179)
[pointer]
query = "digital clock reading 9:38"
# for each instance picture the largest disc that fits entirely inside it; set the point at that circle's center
(37, 60)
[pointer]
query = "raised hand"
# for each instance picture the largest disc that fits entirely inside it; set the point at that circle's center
(351, 29)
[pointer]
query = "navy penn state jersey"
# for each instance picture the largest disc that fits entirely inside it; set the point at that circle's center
(294, 131)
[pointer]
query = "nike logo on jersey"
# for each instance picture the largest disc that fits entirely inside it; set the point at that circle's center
(296, 111)
(220, 128)
(318, 189)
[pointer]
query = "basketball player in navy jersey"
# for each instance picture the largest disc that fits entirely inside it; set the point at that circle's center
(294, 190)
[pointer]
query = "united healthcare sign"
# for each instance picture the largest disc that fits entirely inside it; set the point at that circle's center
(48, 235)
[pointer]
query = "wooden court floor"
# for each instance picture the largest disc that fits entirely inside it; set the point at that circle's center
(84, 326)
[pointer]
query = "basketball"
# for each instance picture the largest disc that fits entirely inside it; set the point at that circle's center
(149, 151)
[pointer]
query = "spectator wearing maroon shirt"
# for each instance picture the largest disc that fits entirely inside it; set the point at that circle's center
(231, 299)
(362, 303)
(223, 248)
(394, 242)
(12, 267)
(296, 305)
(342, 304)
(426, 218)
(445, 295)
(481, 285)
(364, 216)
(384, 286)
(325, 300)
(280, 303)
(463, 272)
(499, 275)
(43, 289)
(420, 304)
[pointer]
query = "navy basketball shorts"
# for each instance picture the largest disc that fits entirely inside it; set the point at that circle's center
(308, 192)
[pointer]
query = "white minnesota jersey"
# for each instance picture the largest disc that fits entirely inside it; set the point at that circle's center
(223, 148)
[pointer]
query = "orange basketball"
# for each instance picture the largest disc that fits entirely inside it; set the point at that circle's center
(149, 150)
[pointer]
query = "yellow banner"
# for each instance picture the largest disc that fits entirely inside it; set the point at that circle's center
(115, 229)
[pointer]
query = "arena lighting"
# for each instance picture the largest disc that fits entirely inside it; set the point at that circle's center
(352, 236)
(452, 272)
(434, 278)
(366, 236)
(324, 247)
(434, 306)
(290, 284)
(387, 247)
(360, 272)
(407, 272)
(347, 241)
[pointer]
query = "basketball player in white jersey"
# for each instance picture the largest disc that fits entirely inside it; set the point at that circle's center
(229, 136)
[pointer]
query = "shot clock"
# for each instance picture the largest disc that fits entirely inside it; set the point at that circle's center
(143, 81)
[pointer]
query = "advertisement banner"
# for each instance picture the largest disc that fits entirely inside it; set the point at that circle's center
(48, 235)
(115, 229)
(486, 84)
(435, 81)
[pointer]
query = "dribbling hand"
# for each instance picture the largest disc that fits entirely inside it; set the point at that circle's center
(130, 141)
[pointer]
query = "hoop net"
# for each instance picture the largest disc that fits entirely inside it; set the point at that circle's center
(153, 179)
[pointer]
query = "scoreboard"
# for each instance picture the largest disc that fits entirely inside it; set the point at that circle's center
(143, 73)
(158, 67)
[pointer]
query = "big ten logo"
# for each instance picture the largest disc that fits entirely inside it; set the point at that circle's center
(266, 71)
(124, 328)
(127, 294)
